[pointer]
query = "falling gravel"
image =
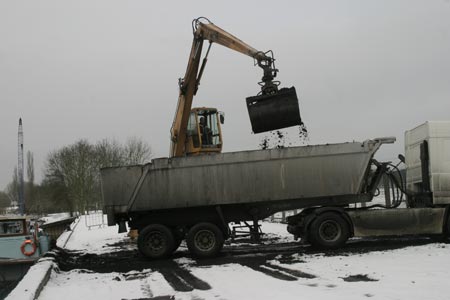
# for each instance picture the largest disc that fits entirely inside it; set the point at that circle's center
(279, 139)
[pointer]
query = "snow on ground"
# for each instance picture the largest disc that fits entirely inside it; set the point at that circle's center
(412, 272)
(95, 239)
(419, 272)
(79, 284)
(55, 217)
(276, 229)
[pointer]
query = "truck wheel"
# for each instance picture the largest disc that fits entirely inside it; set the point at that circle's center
(204, 240)
(156, 241)
(328, 230)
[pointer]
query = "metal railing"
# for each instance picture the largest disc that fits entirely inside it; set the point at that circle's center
(94, 218)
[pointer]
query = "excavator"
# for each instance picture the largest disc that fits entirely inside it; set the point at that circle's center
(198, 130)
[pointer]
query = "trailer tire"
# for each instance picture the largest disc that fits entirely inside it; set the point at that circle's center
(205, 240)
(328, 230)
(156, 241)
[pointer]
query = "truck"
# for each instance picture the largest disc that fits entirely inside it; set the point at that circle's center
(197, 192)
(195, 198)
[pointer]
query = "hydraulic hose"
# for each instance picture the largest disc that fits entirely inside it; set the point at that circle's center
(397, 188)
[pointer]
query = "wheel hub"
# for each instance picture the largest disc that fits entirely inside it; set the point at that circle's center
(205, 240)
(155, 241)
(330, 230)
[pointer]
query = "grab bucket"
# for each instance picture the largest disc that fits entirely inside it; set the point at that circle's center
(275, 111)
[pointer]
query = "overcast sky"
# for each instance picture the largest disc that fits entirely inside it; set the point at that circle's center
(96, 69)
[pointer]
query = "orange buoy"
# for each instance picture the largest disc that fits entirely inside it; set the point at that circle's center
(30, 252)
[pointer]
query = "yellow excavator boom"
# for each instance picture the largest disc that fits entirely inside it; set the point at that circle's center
(203, 30)
(191, 80)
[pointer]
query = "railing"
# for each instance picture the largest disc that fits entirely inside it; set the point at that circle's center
(94, 218)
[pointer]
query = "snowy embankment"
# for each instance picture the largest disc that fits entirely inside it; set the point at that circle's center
(50, 218)
(410, 272)
(92, 240)
(34, 281)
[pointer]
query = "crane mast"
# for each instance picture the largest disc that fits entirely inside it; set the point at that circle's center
(20, 169)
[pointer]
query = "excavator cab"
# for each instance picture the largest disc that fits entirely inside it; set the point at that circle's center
(203, 131)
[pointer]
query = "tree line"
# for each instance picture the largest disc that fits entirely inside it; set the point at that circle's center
(71, 181)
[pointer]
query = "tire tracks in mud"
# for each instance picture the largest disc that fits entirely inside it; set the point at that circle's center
(295, 273)
(260, 257)
(182, 279)
(261, 263)
(272, 272)
(271, 260)
(177, 276)
(168, 297)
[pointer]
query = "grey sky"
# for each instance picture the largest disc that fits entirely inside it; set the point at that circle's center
(96, 69)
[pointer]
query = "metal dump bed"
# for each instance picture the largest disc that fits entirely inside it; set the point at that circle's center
(301, 176)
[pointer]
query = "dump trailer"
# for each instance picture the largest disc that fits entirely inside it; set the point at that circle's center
(196, 197)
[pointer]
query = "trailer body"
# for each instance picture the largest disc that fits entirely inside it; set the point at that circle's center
(262, 181)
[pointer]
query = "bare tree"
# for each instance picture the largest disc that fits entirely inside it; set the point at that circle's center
(5, 202)
(12, 189)
(136, 151)
(74, 170)
(30, 167)
(75, 167)
(53, 196)
(29, 185)
(109, 153)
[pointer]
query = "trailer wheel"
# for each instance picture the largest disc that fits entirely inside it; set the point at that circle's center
(156, 241)
(205, 240)
(328, 230)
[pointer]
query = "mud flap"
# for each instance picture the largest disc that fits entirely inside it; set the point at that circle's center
(276, 111)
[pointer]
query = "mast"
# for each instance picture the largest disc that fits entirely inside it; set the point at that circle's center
(20, 169)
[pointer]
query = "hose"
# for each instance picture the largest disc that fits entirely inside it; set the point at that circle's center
(396, 188)
(198, 20)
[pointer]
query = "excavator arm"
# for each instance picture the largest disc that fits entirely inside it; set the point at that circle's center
(189, 84)
(214, 34)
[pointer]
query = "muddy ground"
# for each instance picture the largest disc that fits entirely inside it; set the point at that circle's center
(256, 257)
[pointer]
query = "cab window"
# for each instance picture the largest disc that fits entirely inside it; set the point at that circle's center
(192, 130)
(209, 128)
(11, 227)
